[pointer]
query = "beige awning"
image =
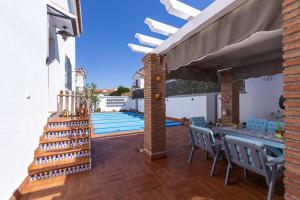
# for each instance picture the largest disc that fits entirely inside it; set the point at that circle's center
(247, 39)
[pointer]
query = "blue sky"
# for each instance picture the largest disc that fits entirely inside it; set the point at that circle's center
(108, 27)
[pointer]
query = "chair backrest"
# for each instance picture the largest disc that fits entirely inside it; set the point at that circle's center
(273, 126)
(257, 124)
(247, 153)
(202, 138)
(198, 121)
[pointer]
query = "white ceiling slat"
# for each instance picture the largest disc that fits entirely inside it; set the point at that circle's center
(140, 49)
(181, 10)
(147, 40)
(161, 28)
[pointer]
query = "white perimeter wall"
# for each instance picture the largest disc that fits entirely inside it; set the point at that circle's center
(24, 40)
(186, 106)
(104, 108)
(260, 100)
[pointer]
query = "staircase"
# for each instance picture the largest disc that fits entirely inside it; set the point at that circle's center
(64, 148)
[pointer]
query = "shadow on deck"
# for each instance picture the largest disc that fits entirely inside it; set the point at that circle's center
(119, 171)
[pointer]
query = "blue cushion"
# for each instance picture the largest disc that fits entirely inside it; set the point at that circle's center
(257, 124)
(272, 126)
(198, 121)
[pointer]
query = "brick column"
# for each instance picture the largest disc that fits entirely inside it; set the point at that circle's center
(230, 99)
(154, 106)
(291, 57)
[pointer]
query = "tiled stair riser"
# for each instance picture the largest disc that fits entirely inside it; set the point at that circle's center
(67, 124)
(58, 157)
(65, 144)
(72, 133)
(60, 172)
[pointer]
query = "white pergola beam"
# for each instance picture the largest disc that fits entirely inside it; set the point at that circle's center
(181, 10)
(160, 28)
(147, 40)
(140, 49)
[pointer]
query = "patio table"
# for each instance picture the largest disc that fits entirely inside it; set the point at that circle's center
(263, 137)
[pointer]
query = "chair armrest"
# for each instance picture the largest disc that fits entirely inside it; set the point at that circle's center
(277, 161)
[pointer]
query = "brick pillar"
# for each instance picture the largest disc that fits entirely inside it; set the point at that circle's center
(154, 106)
(291, 57)
(230, 99)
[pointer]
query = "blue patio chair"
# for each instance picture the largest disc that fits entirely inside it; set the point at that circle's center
(198, 121)
(272, 126)
(203, 139)
(252, 156)
(257, 124)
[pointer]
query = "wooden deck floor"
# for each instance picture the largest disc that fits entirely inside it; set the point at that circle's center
(120, 172)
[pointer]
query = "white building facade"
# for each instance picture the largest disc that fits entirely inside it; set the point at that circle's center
(138, 79)
(36, 63)
(80, 76)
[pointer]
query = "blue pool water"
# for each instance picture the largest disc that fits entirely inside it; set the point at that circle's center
(105, 123)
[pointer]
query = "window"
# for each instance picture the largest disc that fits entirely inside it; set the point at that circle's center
(68, 74)
(137, 83)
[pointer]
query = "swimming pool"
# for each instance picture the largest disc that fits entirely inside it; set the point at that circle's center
(106, 123)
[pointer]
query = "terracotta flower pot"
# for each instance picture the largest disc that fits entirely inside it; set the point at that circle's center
(82, 112)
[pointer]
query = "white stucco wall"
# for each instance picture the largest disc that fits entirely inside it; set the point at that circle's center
(186, 106)
(24, 87)
(105, 108)
(79, 81)
(57, 67)
(141, 83)
(28, 85)
(261, 98)
(192, 106)
(140, 79)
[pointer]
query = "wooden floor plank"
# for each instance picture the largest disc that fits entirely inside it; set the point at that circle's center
(120, 172)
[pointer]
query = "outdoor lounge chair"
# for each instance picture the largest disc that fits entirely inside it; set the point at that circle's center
(203, 139)
(252, 156)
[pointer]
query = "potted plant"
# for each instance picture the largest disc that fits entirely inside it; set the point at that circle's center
(65, 113)
(279, 132)
(235, 125)
(82, 110)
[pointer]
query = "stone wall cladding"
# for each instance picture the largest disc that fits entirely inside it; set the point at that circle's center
(291, 57)
(155, 109)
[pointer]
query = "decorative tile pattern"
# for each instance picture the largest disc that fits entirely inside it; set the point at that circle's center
(58, 157)
(71, 133)
(60, 172)
(67, 124)
(65, 144)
